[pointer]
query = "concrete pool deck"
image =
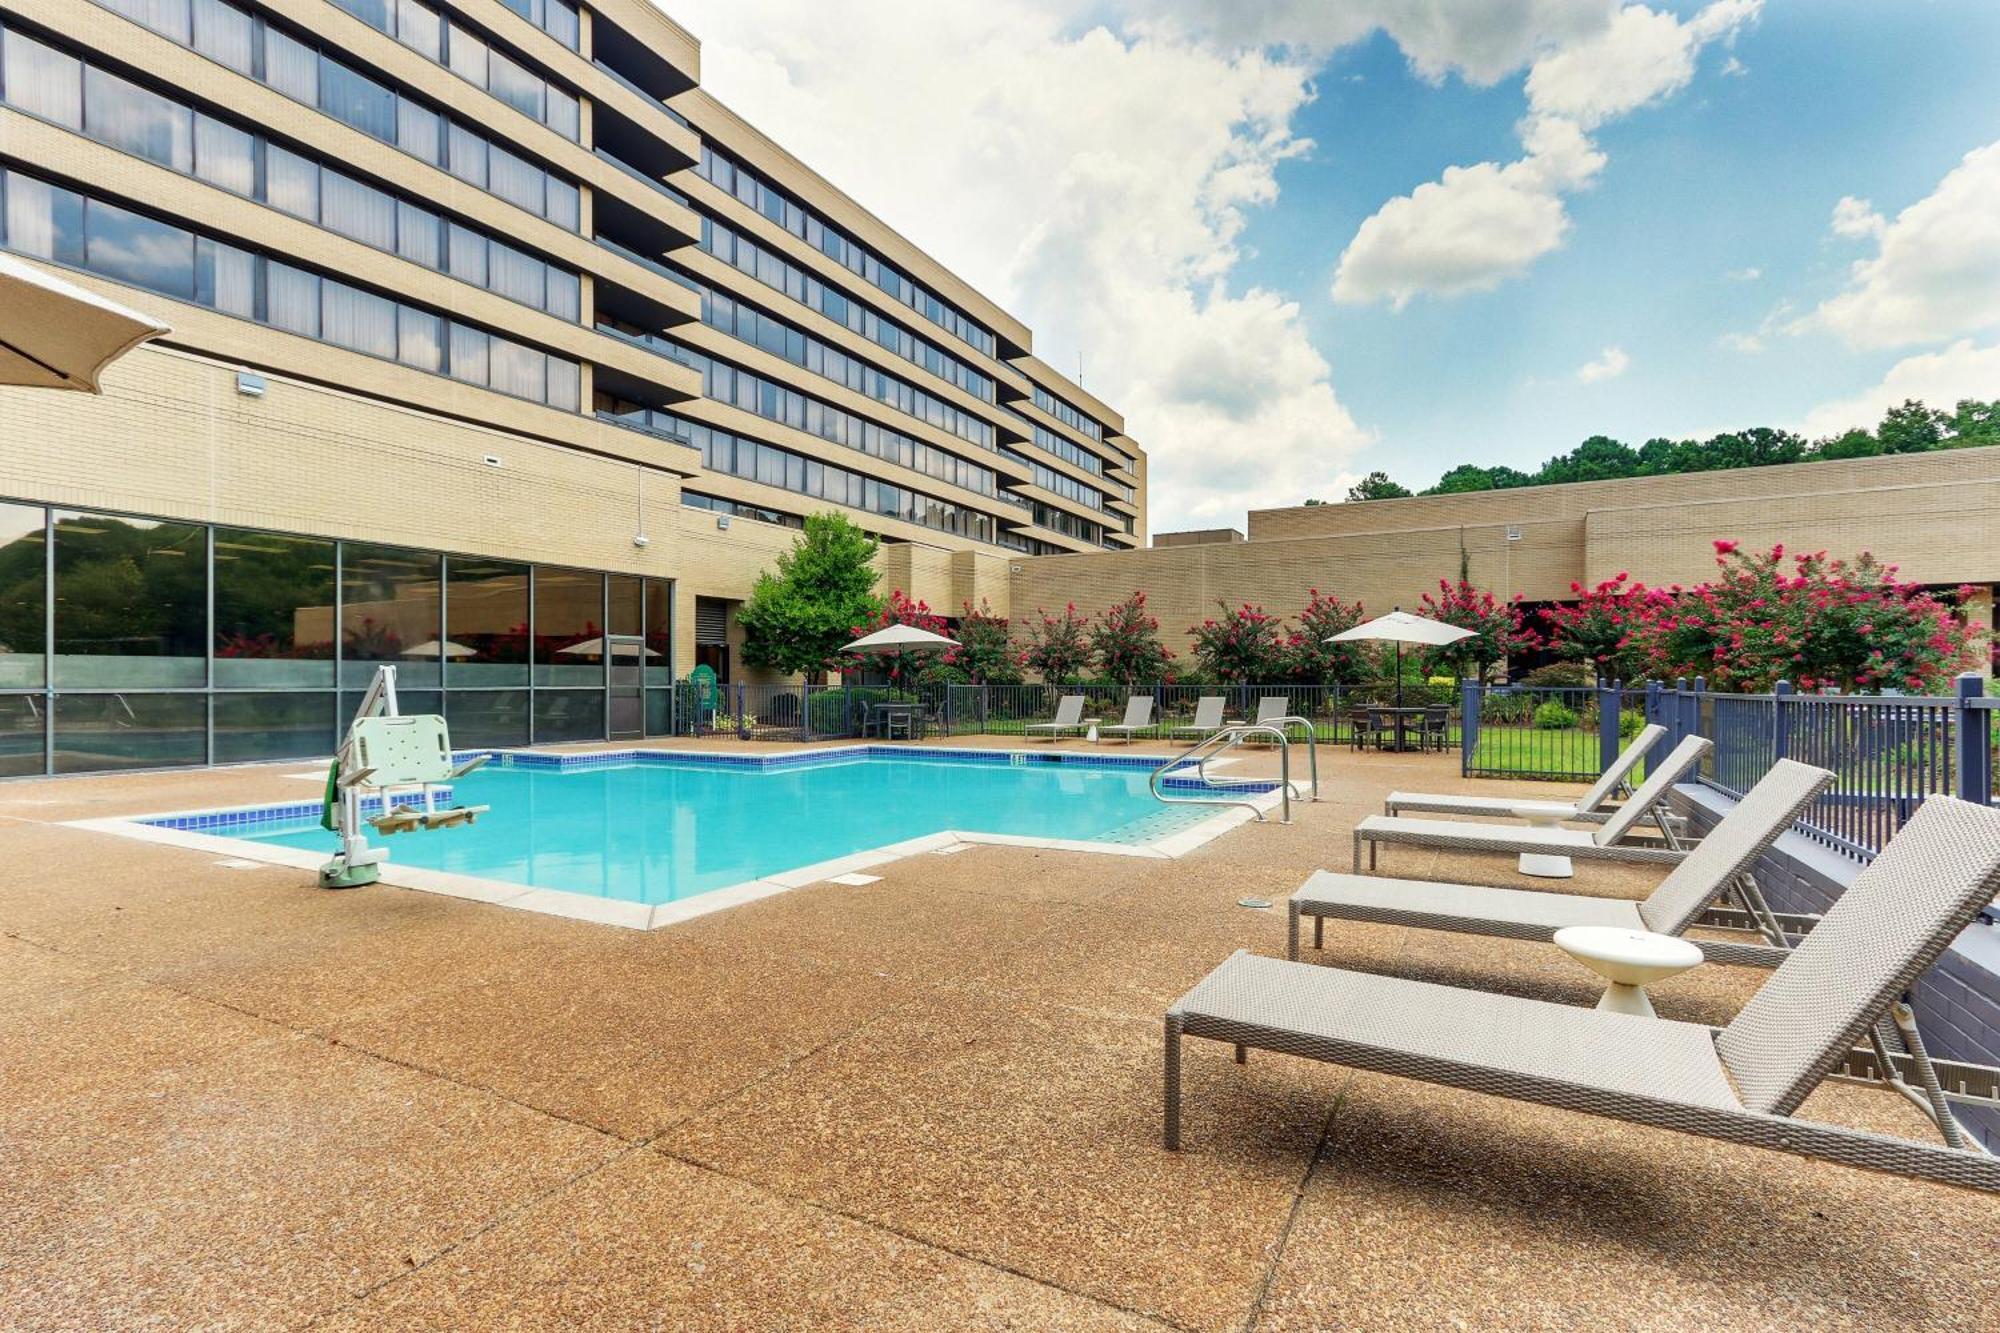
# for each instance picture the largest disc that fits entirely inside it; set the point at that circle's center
(231, 1100)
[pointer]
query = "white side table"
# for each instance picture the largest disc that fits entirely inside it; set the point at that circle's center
(1630, 960)
(1546, 865)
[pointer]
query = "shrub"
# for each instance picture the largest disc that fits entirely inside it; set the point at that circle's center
(1058, 647)
(1560, 675)
(1498, 628)
(1630, 723)
(1306, 657)
(1553, 716)
(1126, 643)
(1243, 647)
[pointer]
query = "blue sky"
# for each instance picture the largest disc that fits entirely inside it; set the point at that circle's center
(1502, 194)
(1736, 172)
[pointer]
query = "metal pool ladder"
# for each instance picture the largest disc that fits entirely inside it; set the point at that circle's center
(1217, 789)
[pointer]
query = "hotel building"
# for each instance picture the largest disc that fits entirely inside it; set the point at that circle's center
(500, 350)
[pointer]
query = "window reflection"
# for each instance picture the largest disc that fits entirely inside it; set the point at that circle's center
(389, 604)
(95, 732)
(252, 727)
(486, 643)
(23, 612)
(273, 610)
(569, 633)
(131, 602)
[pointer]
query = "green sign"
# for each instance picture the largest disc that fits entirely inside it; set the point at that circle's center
(703, 680)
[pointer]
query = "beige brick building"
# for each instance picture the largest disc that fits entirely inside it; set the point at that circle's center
(1935, 515)
(500, 350)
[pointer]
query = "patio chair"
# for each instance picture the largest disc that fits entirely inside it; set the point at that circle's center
(1721, 864)
(1584, 808)
(1207, 718)
(1138, 717)
(1437, 728)
(1544, 837)
(1740, 1083)
(1069, 717)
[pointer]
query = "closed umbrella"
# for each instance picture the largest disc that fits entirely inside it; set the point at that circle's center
(1400, 627)
(56, 335)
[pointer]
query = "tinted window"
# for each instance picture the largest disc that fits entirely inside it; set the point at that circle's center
(123, 245)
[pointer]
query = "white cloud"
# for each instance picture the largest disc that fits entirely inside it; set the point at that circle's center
(1857, 219)
(1940, 379)
(1745, 274)
(1748, 343)
(1094, 184)
(1480, 42)
(1478, 226)
(1733, 68)
(1935, 273)
(1609, 365)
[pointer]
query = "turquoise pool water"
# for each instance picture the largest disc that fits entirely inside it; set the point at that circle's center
(657, 832)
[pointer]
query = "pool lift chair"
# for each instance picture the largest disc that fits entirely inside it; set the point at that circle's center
(403, 761)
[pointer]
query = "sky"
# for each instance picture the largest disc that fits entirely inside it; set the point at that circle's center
(1297, 241)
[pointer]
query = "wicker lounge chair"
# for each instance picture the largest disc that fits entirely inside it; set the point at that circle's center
(1138, 717)
(1740, 1083)
(1069, 717)
(1721, 864)
(1207, 718)
(1583, 808)
(1605, 843)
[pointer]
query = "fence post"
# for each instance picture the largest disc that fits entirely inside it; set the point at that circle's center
(1652, 701)
(1468, 725)
(1693, 707)
(742, 726)
(1677, 714)
(1975, 742)
(1610, 699)
(1781, 720)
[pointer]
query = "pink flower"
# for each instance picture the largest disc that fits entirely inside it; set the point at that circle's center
(1724, 547)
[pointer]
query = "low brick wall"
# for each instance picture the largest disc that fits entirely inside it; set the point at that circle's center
(1957, 1001)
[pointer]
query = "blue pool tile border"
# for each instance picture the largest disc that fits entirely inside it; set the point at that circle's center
(210, 821)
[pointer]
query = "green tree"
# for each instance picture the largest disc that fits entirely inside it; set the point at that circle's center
(821, 597)
(1377, 486)
(1911, 428)
(1309, 659)
(1975, 422)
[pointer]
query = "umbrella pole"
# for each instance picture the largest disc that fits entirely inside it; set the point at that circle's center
(1399, 673)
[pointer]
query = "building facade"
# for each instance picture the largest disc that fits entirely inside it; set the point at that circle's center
(1935, 515)
(500, 350)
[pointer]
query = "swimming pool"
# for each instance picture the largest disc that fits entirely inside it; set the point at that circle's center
(651, 828)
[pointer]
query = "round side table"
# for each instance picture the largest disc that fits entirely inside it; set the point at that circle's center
(1629, 960)
(1546, 865)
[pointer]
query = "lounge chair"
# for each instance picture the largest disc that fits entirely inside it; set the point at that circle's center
(1207, 718)
(1583, 808)
(1740, 1083)
(1069, 717)
(1543, 838)
(1721, 864)
(1138, 717)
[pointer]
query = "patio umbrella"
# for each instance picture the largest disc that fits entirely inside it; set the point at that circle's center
(595, 648)
(1400, 627)
(445, 649)
(56, 335)
(893, 639)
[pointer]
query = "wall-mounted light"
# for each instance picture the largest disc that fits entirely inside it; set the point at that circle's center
(250, 384)
(1513, 533)
(641, 540)
(722, 522)
(491, 460)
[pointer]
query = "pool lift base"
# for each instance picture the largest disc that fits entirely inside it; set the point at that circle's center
(384, 753)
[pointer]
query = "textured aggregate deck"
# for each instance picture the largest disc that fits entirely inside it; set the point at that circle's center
(229, 1100)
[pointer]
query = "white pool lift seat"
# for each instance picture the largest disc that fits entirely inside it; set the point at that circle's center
(403, 761)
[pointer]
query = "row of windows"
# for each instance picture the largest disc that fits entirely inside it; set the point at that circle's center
(52, 223)
(278, 633)
(1061, 483)
(1061, 520)
(753, 393)
(445, 42)
(771, 466)
(1068, 450)
(252, 46)
(750, 325)
(739, 509)
(752, 190)
(774, 271)
(1066, 414)
(557, 18)
(45, 82)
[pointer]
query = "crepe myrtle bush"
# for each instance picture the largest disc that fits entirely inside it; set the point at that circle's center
(1245, 645)
(1125, 642)
(1057, 647)
(1499, 629)
(904, 668)
(1816, 621)
(1308, 659)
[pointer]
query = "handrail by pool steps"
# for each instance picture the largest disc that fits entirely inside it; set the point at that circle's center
(1221, 742)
